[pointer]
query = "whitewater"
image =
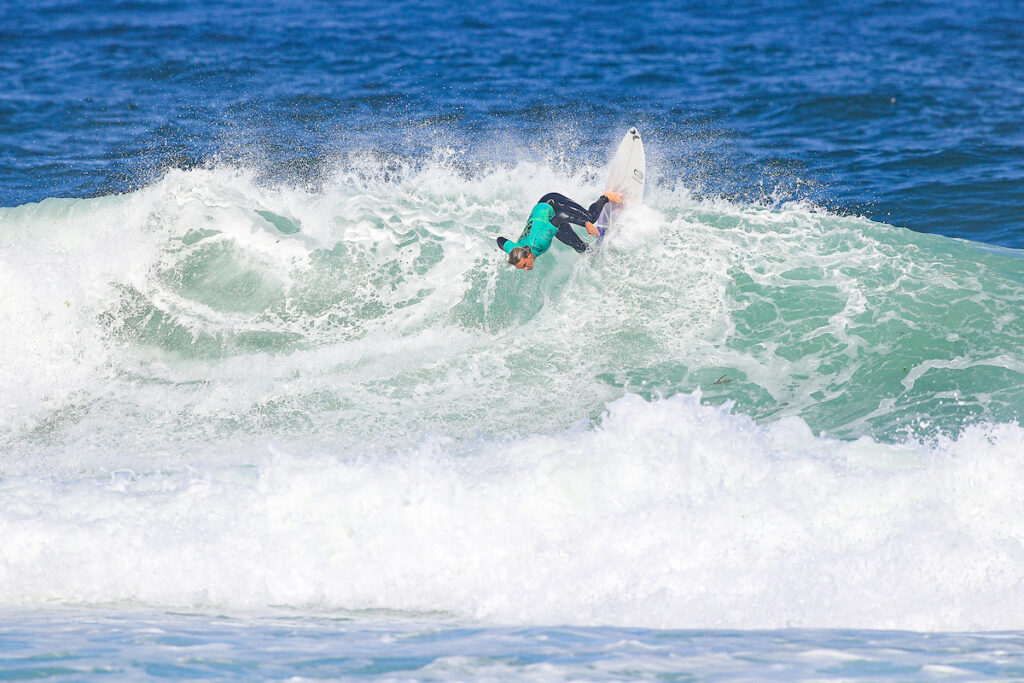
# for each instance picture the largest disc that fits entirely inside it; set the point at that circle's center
(219, 393)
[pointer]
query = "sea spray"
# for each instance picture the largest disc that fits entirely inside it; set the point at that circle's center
(208, 308)
(219, 394)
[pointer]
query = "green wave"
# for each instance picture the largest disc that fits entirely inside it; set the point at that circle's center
(378, 308)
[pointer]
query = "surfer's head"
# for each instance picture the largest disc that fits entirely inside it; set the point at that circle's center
(522, 258)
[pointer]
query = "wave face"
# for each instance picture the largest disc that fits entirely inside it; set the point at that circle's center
(219, 392)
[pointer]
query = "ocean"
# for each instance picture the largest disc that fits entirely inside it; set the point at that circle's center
(273, 405)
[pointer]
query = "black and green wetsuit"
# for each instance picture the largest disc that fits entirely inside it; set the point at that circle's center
(552, 217)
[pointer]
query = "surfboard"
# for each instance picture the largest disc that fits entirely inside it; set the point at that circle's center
(627, 175)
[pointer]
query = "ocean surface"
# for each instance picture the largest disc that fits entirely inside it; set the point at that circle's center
(273, 406)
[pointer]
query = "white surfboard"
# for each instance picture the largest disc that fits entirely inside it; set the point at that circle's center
(626, 175)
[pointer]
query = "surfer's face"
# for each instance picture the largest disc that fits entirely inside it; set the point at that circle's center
(526, 263)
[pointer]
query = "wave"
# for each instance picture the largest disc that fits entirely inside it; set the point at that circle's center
(209, 308)
(223, 393)
(668, 513)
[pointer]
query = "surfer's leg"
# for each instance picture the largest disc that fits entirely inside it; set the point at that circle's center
(558, 202)
(566, 207)
(595, 209)
(573, 211)
(566, 235)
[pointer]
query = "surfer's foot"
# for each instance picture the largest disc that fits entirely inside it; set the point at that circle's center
(614, 197)
(592, 229)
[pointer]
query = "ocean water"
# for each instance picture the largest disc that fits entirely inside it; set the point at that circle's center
(273, 406)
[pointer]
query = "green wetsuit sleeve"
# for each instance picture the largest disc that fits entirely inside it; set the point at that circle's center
(506, 245)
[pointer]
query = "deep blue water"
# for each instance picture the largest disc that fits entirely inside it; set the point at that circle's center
(906, 113)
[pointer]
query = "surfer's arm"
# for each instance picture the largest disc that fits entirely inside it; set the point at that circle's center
(506, 245)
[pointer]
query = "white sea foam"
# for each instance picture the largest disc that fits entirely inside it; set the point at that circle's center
(668, 514)
(209, 308)
(217, 393)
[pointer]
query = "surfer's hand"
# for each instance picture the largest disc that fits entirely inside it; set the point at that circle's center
(614, 197)
(591, 229)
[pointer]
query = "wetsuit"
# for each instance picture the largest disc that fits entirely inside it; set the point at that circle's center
(551, 218)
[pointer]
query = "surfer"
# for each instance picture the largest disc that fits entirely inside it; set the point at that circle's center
(551, 218)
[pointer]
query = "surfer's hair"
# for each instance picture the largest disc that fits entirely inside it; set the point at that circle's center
(518, 254)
